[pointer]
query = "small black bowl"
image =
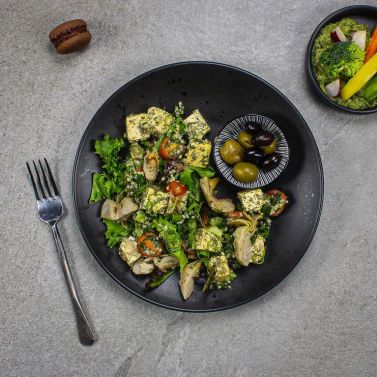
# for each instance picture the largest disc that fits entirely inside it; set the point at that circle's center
(365, 14)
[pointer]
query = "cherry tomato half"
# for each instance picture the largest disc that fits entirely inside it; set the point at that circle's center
(283, 199)
(176, 188)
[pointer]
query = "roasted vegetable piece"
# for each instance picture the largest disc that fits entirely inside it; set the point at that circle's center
(217, 205)
(151, 166)
(143, 267)
(112, 210)
(167, 149)
(136, 151)
(148, 245)
(242, 245)
(186, 280)
(166, 262)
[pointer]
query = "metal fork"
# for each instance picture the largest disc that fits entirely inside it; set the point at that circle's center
(50, 210)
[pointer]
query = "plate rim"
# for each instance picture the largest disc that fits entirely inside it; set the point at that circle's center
(80, 147)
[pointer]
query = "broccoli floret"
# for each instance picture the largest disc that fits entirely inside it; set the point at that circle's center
(342, 60)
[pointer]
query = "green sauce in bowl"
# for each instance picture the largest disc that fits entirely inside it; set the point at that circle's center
(321, 44)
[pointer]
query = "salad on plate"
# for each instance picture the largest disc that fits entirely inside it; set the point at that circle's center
(161, 208)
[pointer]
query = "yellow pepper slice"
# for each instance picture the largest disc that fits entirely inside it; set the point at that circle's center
(366, 72)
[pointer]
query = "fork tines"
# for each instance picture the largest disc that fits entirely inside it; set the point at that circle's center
(48, 185)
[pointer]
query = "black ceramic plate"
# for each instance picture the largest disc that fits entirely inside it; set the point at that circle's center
(364, 14)
(221, 93)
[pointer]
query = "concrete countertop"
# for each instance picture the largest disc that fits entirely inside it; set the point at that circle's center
(320, 321)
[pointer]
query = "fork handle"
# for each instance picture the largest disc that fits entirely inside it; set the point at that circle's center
(86, 333)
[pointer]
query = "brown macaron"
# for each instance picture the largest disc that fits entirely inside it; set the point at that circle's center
(70, 36)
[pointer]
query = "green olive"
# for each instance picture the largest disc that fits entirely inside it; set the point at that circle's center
(245, 139)
(231, 152)
(245, 172)
(271, 148)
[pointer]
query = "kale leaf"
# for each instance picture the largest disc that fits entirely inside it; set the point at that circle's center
(110, 183)
(172, 239)
(116, 232)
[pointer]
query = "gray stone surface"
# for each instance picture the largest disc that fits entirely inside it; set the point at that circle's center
(320, 321)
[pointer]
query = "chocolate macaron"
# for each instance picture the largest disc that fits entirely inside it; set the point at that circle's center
(70, 36)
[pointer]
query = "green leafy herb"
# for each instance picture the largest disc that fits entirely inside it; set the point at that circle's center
(264, 227)
(116, 232)
(191, 228)
(110, 183)
(204, 172)
(218, 221)
(204, 255)
(168, 232)
(102, 187)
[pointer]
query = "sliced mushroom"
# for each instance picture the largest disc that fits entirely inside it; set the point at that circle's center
(127, 207)
(143, 267)
(186, 280)
(217, 205)
(242, 245)
(151, 165)
(110, 210)
(128, 251)
(166, 262)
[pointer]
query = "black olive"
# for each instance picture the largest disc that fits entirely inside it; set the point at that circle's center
(253, 155)
(263, 138)
(270, 161)
(253, 127)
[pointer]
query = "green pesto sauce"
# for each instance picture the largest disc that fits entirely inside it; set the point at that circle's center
(322, 43)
